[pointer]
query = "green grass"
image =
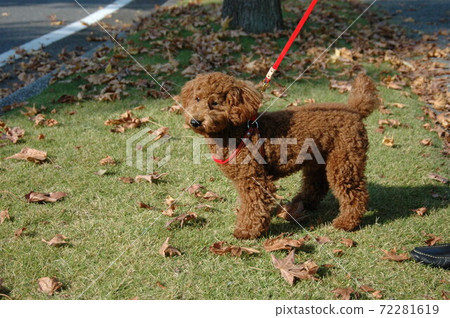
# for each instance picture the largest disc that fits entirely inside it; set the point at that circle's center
(113, 250)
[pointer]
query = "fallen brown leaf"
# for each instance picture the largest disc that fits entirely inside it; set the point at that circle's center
(344, 293)
(170, 211)
(338, 252)
(290, 271)
(107, 161)
(143, 205)
(11, 134)
(323, 239)
(29, 154)
(433, 239)
(392, 255)
(388, 141)
(49, 285)
(182, 218)
(426, 142)
(44, 197)
(57, 241)
(348, 242)
(167, 250)
(207, 207)
(19, 232)
(4, 215)
(150, 177)
(366, 289)
(283, 242)
(195, 189)
(437, 177)
(342, 86)
(126, 179)
(220, 248)
(211, 196)
(160, 133)
(420, 211)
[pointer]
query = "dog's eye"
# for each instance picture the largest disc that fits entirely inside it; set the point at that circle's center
(197, 99)
(214, 104)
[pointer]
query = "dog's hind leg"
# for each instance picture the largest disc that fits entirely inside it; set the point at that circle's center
(314, 187)
(256, 202)
(345, 175)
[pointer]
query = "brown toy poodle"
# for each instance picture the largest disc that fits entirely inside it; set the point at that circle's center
(328, 142)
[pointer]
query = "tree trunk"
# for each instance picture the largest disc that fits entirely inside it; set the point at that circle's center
(253, 16)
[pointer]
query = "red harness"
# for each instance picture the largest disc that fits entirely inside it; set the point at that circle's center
(252, 125)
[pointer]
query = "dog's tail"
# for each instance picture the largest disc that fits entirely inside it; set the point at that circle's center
(363, 95)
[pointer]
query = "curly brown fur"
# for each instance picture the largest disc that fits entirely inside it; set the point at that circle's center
(219, 106)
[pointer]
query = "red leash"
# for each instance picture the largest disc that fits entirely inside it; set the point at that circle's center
(288, 44)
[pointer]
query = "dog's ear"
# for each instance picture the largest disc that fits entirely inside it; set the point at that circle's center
(187, 93)
(243, 101)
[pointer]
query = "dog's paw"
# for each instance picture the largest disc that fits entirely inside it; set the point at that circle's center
(245, 235)
(344, 224)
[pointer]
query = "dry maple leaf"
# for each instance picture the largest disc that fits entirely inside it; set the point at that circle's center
(426, 142)
(49, 285)
(437, 177)
(211, 196)
(220, 248)
(19, 232)
(348, 242)
(342, 86)
(12, 134)
(4, 215)
(433, 239)
(420, 211)
(182, 218)
(126, 179)
(366, 288)
(398, 105)
(57, 241)
(160, 133)
(289, 270)
(207, 207)
(171, 203)
(344, 293)
(150, 177)
(388, 141)
(143, 205)
(167, 250)
(29, 154)
(392, 255)
(377, 294)
(338, 252)
(44, 197)
(323, 239)
(283, 243)
(195, 189)
(107, 161)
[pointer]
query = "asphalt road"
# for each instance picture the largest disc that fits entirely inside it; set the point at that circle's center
(24, 20)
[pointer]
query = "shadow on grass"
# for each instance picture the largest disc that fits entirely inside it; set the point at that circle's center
(386, 204)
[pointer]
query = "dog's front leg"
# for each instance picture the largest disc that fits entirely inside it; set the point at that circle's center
(256, 203)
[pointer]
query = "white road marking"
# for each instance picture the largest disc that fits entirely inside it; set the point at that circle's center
(61, 33)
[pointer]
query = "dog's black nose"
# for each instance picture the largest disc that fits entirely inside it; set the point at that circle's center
(195, 122)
